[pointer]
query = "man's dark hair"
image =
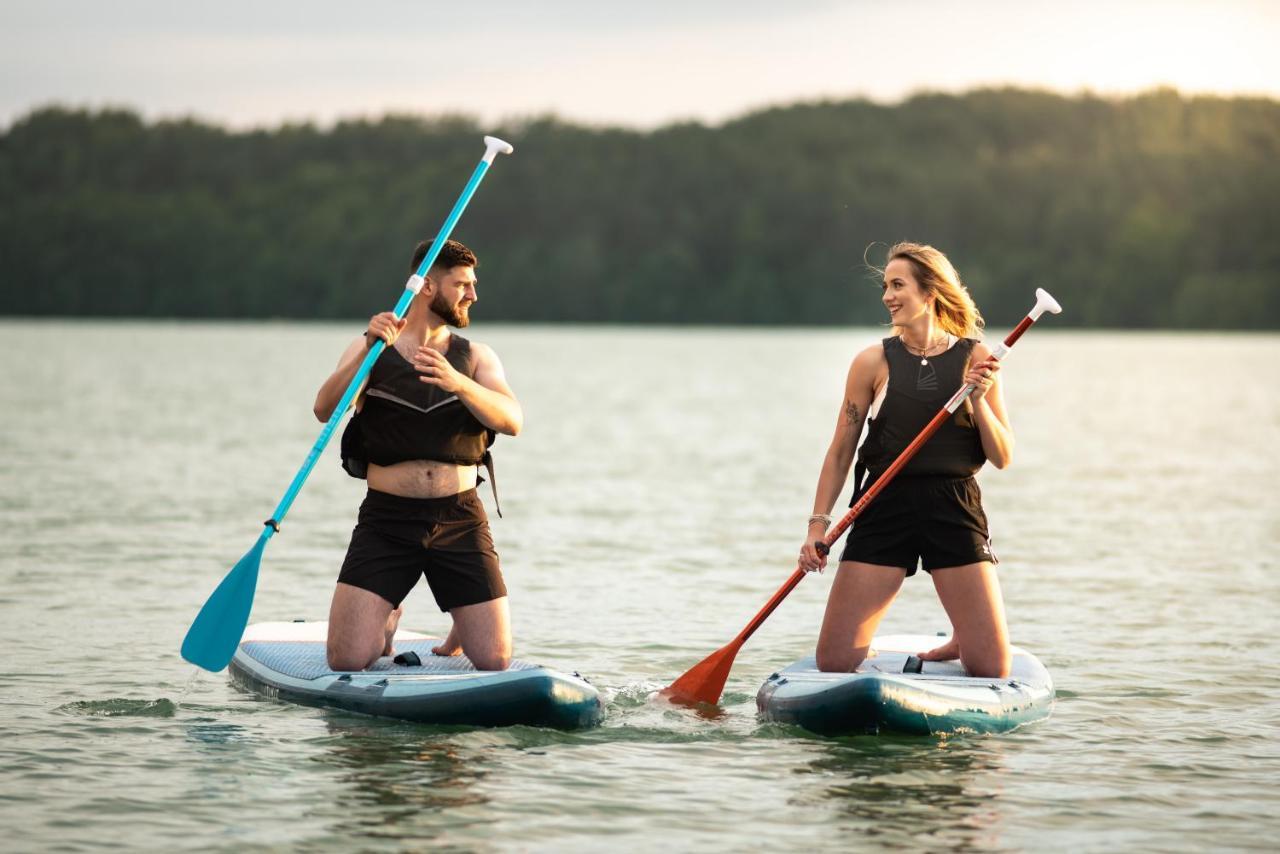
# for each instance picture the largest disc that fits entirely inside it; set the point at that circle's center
(453, 254)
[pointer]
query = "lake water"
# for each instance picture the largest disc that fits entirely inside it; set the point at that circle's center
(653, 504)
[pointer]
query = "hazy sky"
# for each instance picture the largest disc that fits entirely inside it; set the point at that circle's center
(639, 63)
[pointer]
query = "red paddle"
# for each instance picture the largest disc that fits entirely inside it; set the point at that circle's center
(704, 682)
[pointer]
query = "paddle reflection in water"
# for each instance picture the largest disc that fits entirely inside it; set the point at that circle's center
(912, 792)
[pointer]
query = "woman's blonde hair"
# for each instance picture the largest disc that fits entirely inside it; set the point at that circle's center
(953, 308)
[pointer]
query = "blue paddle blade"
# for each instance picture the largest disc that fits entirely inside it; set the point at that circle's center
(215, 634)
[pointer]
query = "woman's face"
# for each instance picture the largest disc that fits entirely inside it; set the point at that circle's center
(902, 295)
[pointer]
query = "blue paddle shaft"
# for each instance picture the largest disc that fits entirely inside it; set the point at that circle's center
(402, 307)
(215, 633)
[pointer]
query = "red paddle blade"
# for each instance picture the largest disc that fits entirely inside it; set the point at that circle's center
(704, 682)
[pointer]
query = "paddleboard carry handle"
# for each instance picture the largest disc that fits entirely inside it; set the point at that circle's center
(215, 633)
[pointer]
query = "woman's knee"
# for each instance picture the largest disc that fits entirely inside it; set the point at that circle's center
(834, 659)
(995, 664)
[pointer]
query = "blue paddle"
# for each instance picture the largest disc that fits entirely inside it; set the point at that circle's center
(213, 637)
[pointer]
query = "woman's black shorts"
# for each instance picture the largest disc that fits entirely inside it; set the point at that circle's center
(398, 540)
(934, 521)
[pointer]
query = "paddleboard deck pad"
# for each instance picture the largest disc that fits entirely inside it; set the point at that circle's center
(888, 694)
(286, 661)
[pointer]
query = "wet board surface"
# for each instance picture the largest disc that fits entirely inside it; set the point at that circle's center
(880, 697)
(286, 661)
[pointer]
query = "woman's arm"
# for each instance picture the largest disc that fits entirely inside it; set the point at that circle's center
(989, 414)
(859, 390)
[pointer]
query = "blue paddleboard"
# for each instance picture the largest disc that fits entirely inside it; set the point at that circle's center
(888, 694)
(286, 661)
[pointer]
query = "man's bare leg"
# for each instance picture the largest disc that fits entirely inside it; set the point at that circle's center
(449, 646)
(393, 623)
(481, 631)
(358, 622)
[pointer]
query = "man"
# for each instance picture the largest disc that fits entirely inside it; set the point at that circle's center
(424, 421)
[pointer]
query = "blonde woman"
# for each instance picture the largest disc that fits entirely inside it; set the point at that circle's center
(930, 514)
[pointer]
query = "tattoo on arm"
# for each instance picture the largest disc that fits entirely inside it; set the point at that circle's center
(851, 415)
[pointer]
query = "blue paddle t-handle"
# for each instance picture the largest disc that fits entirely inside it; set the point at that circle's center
(214, 635)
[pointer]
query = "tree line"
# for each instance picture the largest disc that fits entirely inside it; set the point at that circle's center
(1159, 210)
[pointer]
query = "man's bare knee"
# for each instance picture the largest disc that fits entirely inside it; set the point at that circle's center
(491, 660)
(492, 655)
(344, 660)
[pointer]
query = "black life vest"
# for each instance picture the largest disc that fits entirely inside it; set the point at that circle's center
(404, 418)
(914, 395)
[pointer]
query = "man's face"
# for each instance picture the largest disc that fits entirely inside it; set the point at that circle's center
(455, 292)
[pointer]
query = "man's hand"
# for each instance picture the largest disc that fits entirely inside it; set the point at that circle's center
(436, 370)
(384, 326)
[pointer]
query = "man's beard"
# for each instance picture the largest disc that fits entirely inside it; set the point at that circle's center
(454, 315)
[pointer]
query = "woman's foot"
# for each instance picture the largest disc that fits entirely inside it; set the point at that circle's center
(393, 622)
(949, 651)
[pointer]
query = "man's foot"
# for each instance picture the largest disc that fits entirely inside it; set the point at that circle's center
(449, 647)
(393, 622)
(949, 651)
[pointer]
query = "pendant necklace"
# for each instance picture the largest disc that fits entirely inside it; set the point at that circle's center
(923, 354)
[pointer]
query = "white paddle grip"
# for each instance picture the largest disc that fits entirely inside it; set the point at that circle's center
(1044, 302)
(493, 147)
(415, 284)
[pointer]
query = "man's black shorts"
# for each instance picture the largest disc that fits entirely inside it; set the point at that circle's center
(398, 540)
(936, 521)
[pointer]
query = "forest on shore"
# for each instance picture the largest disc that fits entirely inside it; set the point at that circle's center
(1153, 211)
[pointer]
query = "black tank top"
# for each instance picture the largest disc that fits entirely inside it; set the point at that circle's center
(915, 394)
(404, 418)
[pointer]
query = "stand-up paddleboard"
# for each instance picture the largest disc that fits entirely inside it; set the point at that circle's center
(893, 691)
(286, 661)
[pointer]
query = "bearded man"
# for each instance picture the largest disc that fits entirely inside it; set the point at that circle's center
(423, 425)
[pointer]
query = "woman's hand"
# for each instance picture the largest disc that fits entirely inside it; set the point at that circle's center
(436, 370)
(384, 326)
(982, 375)
(810, 558)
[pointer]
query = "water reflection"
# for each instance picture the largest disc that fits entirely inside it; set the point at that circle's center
(400, 778)
(908, 790)
(208, 731)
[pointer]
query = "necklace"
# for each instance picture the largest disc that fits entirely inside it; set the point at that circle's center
(924, 353)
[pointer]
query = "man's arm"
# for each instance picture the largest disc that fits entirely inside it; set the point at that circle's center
(384, 326)
(487, 395)
(336, 385)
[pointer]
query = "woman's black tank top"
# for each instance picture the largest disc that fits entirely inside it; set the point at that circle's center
(404, 418)
(915, 394)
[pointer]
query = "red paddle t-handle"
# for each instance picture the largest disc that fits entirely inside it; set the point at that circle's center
(704, 682)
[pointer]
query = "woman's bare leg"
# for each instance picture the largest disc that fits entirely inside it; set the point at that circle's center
(972, 599)
(859, 598)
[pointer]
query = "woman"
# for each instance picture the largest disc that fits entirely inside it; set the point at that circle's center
(931, 512)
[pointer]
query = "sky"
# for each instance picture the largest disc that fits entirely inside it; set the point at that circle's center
(637, 64)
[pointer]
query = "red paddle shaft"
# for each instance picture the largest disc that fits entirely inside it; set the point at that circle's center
(704, 682)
